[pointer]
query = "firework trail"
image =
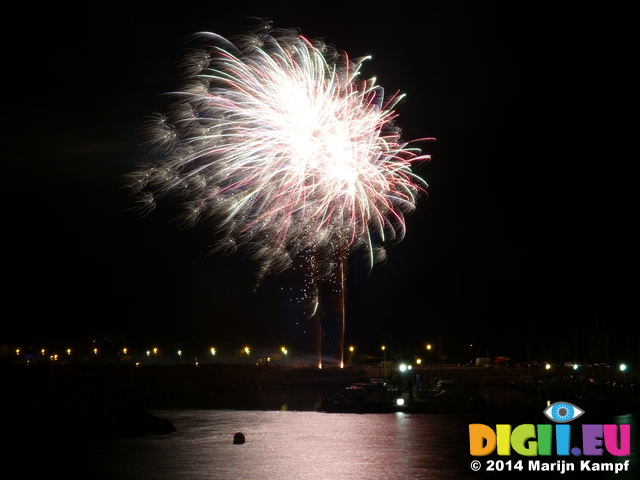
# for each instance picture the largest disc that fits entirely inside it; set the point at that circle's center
(277, 139)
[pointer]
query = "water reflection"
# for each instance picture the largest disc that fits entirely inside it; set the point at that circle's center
(296, 445)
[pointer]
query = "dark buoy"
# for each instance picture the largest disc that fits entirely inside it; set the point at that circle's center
(238, 438)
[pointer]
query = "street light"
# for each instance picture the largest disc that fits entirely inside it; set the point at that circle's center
(403, 369)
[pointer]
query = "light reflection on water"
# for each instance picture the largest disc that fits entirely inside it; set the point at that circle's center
(297, 445)
(291, 445)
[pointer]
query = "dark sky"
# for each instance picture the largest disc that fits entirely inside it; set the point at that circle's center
(532, 110)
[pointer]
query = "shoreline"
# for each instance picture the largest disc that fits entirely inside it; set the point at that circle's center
(100, 402)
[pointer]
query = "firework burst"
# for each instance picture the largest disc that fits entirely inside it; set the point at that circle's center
(279, 141)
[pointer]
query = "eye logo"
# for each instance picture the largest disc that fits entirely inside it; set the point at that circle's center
(562, 412)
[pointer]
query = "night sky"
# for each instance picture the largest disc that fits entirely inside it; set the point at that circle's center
(527, 232)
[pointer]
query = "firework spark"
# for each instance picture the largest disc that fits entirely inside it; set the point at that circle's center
(279, 141)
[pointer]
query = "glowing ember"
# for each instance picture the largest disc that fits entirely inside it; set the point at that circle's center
(278, 140)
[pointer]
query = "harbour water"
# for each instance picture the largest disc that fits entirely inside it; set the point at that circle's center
(287, 444)
(297, 445)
